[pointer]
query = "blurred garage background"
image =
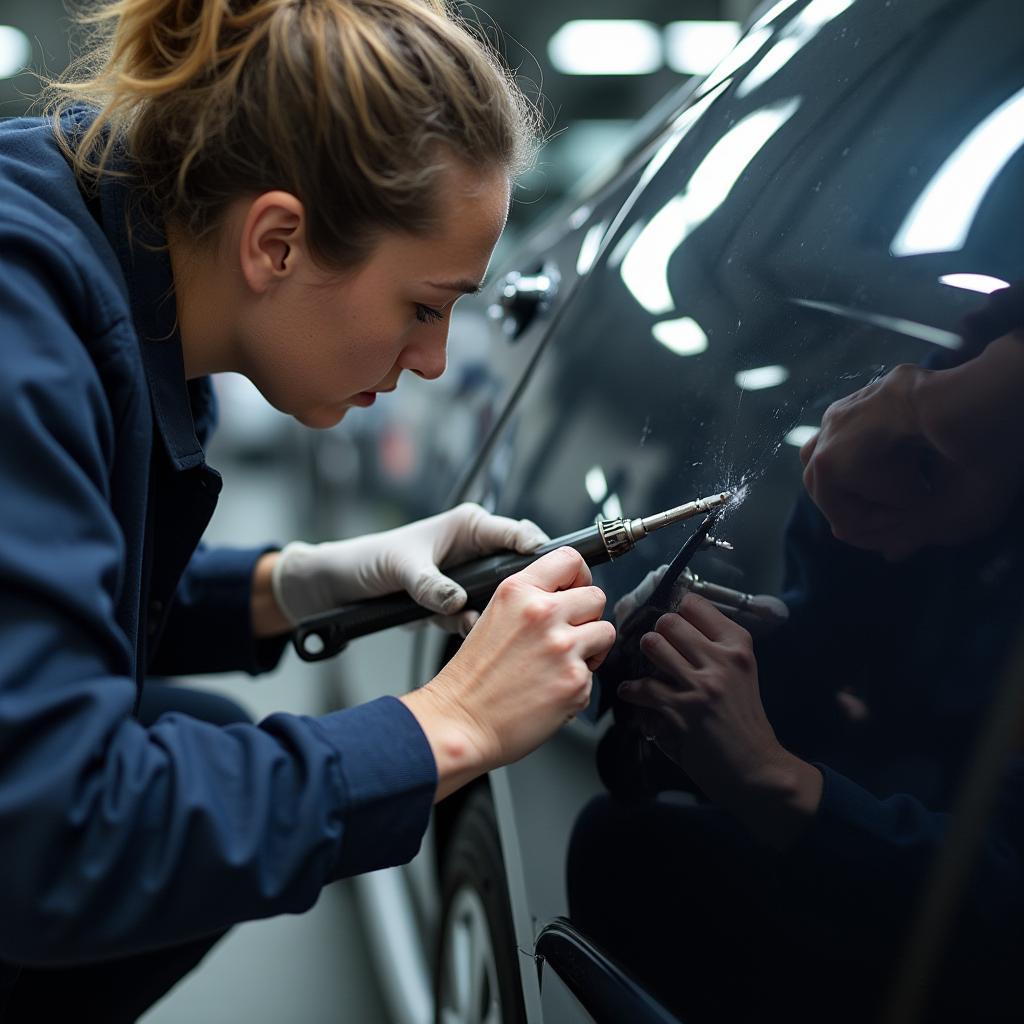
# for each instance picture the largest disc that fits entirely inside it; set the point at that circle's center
(599, 66)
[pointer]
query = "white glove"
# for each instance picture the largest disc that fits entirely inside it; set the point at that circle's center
(312, 578)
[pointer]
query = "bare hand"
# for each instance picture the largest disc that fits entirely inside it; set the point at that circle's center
(705, 713)
(922, 457)
(525, 668)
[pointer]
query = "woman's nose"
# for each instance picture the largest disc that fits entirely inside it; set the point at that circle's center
(429, 357)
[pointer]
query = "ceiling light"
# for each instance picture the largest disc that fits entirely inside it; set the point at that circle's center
(696, 47)
(15, 51)
(607, 47)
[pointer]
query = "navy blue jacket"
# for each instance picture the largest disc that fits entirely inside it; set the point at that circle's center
(115, 838)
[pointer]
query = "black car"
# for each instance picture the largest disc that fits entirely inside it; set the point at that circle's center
(828, 203)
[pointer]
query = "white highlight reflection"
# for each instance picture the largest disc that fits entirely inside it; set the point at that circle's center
(684, 337)
(761, 377)
(799, 436)
(645, 266)
(612, 508)
(745, 50)
(606, 47)
(899, 324)
(589, 248)
(596, 484)
(793, 38)
(975, 282)
(941, 218)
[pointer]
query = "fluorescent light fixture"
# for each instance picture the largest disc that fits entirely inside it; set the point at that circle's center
(793, 38)
(645, 266)
(606, 47)
(974, 282)
(596, 484)
(761, 377)
(684, 337)
(15, 51)
(941, 218)
(799, 436)
(696, 47)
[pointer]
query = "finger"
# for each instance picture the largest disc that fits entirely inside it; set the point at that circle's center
(594, 640)
(561, 569)
(433, 590)
(665, 655)
(466, 621)
(647, 693)
(499, 533)
(700, 612)
(581, 604)
(807, 448)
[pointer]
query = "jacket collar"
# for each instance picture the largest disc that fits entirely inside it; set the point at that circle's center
(138, 240)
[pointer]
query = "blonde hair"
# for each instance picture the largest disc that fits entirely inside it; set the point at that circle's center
(354, 106)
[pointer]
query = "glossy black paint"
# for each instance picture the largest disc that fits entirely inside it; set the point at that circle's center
(778, 241)
(608, 995)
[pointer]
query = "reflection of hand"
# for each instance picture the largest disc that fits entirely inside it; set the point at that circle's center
(311, 578)
(523, 671)
(705, 713)
(922, 457)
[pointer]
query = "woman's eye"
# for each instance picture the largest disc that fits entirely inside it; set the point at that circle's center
(427, 314)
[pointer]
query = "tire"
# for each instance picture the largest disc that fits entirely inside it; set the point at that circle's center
(477, 979)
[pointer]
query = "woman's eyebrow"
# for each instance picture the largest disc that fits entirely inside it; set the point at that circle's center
(465, 287)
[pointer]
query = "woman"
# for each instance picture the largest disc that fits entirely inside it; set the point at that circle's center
(297, 191)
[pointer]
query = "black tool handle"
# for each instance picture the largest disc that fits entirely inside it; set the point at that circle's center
(322, 636)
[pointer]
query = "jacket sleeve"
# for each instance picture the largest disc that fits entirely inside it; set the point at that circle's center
(868, 860)
(209, 625)
(114, 838)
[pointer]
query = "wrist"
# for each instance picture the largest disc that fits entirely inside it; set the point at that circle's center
(964, 409)
(779, 802)
(457, 754)
(267, 618)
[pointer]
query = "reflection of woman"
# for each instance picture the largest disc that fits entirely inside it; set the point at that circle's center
(328, 178)
(809, 881)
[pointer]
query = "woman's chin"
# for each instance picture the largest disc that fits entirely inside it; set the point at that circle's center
(323, 418)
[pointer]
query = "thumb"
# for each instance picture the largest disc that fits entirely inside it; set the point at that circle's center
(433, 590)
(561, 569)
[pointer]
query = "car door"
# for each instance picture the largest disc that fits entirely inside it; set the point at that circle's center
(811, 226)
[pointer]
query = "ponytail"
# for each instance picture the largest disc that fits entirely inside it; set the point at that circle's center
(354, 106)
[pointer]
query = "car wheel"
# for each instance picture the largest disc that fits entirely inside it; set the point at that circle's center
(477, 978)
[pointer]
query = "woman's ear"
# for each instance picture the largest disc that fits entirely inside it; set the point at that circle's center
(272, 239)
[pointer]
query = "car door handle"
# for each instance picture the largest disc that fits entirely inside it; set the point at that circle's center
(521, 297)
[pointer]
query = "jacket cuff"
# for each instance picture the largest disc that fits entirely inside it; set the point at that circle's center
(209, 627)
(388, 779)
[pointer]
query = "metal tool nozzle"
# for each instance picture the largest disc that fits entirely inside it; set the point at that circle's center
(648, 524)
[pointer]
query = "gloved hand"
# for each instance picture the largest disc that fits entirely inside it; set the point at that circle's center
(311, 578)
